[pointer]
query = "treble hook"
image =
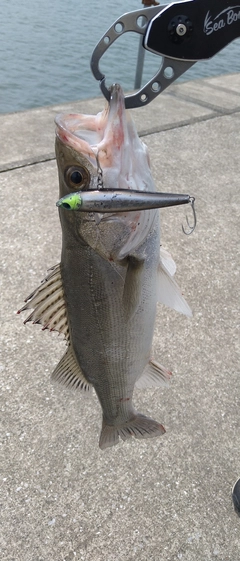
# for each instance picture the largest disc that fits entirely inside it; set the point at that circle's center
(191, 228)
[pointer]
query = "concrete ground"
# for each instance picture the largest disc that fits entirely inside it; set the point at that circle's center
(165, 499)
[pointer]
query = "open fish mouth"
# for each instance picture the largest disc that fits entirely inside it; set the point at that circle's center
(106, 126)
(109, 140)
(94, 135)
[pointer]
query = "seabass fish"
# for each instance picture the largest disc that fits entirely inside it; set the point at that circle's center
(103, 294)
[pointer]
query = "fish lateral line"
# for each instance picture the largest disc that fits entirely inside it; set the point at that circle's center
(120, 200)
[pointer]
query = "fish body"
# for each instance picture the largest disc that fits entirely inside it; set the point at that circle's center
(103, 294)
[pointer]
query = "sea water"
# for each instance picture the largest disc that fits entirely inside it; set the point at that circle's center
(46, 47)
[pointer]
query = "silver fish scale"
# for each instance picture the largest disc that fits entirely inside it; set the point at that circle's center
(112, 349)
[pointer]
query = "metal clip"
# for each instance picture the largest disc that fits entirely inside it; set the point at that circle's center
(169, 71)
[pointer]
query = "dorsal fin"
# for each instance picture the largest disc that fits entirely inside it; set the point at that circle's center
(69, 374)
(48, 303)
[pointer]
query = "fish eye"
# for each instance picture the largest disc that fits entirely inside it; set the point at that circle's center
(77, 177)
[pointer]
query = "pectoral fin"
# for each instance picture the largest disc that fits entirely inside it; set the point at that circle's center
(169, 293)
(133, 286)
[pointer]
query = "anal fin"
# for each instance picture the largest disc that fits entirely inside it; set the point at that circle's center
(154, 376)
(69, 374)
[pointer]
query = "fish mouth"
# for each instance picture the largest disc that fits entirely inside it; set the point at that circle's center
(117, 98)
(117, 113)
(109, 140)
(99, 134)
(116, 130)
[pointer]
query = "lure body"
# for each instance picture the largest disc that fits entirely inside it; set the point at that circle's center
(116, 200)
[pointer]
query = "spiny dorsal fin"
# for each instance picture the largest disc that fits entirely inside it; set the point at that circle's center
(154, 376)
(48, 303)
(69, 374)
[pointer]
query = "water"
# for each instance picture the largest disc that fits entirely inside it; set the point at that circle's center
(46, 46)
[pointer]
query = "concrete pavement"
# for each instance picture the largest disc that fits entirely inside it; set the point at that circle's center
(165, 499)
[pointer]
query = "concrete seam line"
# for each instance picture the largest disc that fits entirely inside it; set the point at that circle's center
(198, 102)
(223, 89)
(186, 123)
(28, 162)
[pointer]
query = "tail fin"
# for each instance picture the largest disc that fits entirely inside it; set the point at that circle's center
(139, 426)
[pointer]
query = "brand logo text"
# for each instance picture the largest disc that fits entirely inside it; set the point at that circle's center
(226, 17)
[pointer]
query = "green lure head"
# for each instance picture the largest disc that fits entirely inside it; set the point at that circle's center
(70, 202)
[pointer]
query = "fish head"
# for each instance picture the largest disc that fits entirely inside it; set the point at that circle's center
(104, 150)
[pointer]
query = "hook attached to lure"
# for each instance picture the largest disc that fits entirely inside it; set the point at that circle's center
(191, 228)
